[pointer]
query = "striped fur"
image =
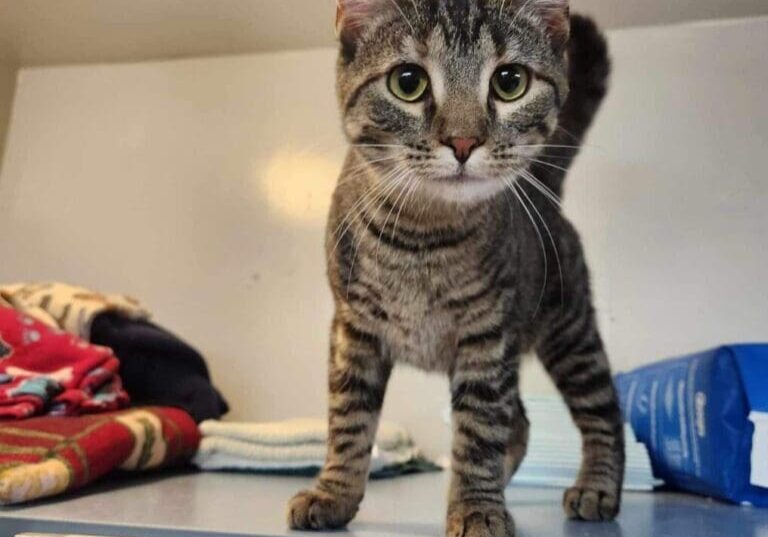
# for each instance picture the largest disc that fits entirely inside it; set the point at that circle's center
(461, 274)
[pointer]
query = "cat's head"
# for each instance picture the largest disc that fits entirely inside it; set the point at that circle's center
(453, 96)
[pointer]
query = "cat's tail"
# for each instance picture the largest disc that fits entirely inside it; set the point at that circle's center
(589, 73)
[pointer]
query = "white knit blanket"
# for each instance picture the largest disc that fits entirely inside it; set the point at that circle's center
(226, 454)
(296, 432)
(288, 445)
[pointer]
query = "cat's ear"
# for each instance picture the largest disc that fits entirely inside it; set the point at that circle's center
(556, 16)
(352, 15)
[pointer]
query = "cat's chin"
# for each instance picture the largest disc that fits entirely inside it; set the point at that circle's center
(462, 188)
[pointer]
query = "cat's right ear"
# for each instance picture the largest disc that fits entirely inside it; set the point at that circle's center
(352, 15)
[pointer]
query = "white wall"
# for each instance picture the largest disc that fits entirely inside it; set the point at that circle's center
(672, 195)
(201, 186)
(65, 32)
(7, 87)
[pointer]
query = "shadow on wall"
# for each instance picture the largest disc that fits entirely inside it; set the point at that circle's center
(7, 90)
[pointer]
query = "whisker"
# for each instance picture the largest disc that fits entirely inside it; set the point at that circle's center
(424, 207)
(366, 163)
(371, 192)
(382, 185)
(378, 145)
(569, 158)
(414, 183)
(350, 175)
(554, 146)
(396, 183)
(543, 163)
(563, 147)
(406, 176)
(365, 211)
(374, 187)
(541, 187)
(541, 243)
(512, 188)
(509, 201)
(356, 172)
(551, 240)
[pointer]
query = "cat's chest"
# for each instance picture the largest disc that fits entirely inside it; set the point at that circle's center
(420, 334)
(421, 330)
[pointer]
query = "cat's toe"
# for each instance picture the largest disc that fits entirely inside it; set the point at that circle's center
(315, 510)
(592, 504)
(479, 520)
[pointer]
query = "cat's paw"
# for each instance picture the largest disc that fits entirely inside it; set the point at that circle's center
(591, 503)
(316, 510)
(479, 520)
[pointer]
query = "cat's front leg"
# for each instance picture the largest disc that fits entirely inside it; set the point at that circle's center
(572, 352)
(484, 388)
(357, 382)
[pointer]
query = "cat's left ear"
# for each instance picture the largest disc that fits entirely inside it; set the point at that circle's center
(556, 16)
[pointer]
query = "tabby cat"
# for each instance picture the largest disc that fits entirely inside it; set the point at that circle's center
(447, 249)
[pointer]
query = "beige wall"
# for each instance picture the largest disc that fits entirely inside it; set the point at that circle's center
(7, 87)
(65, 32)
(201, 186)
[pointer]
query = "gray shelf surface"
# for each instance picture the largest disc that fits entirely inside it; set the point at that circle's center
(236, 505)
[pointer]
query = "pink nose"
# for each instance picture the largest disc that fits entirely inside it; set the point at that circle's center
(463, 147)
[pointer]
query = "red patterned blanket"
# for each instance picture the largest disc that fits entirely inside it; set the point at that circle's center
(47, 456)
(46, 371)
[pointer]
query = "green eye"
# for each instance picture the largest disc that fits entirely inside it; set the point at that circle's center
(409, 83)
(510, 82)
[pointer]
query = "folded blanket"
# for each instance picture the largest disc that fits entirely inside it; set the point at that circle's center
(219, 452)
(149, 355)
(44, 457)
(297, 432)
(298, 447)
(158, 368)
(44, 370)
(68, 307)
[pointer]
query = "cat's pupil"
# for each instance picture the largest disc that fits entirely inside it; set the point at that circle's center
(509, 80)
(409, 81)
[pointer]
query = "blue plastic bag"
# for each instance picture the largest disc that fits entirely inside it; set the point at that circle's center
(704, 420)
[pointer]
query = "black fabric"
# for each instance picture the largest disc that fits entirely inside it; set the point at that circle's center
(158, 368)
